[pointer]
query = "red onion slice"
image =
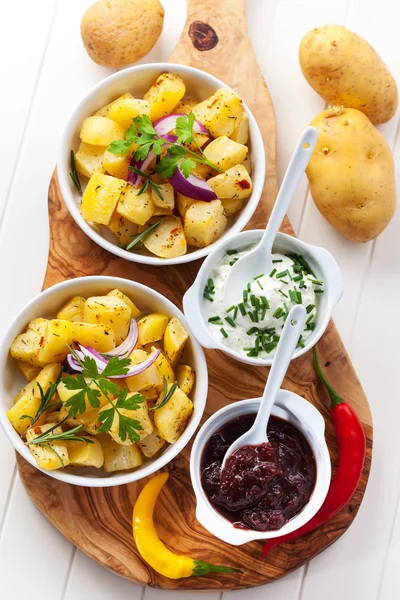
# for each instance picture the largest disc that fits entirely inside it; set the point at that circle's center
(166, 124)
(100, 361)
(136, 369)
(128, 344)
(133, 178)
(192, 186)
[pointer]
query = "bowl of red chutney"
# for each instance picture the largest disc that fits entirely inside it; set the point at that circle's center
(263, 491)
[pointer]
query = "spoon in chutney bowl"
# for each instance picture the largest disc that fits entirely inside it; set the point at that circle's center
(257, 434)
(259, 259)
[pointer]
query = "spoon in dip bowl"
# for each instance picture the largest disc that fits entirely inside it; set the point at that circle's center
(257, 435)
(259, 260)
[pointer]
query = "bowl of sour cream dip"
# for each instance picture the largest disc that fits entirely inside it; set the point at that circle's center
(249, 328)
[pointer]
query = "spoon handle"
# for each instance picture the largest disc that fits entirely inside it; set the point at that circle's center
(293, 175)
(286, 347)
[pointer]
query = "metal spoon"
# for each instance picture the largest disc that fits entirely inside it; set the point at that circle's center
(284, 352)
(259, 260)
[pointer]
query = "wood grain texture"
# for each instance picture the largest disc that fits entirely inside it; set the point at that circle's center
(98, 521)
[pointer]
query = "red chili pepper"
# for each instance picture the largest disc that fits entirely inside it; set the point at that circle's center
(351, 455)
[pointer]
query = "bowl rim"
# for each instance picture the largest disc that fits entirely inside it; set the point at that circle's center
(258, 177)
(306, 415)
(119, 477)
(192, 300)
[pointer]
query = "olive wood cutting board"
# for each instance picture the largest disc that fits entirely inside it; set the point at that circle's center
(98, 521)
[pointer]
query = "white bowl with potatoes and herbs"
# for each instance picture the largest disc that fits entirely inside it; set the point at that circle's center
(160, 162)
(101, 381)
(248, 328)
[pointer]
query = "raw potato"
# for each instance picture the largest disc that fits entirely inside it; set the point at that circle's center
(175, 338)
(165, 94)
(345, 70)
(101, 131)
(204, 223)
(100, 198)
(234, 183)
(111, 311)
(225, 153)
(168, 240)
(120, 32)
(72, 310)
(351, 174)
(171, 419)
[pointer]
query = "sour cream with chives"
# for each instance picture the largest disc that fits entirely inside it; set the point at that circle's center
(252, 325)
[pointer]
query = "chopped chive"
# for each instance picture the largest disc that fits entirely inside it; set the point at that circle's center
(277, 260)
(230, 252)
(302, 285)
(222, 330)
(232, 262)
(282, 274)
(310, 326)
(258, 276)
(310, 308)
(264, 301)
(230, 308)
(260, 285)
(269, 346)
(250, 315)
(207, 295)
(276, 338)
(252, 330)
(251, 353)
(245, 295)
(230, 321)
(300, 342)
(297, 268)
(278, 313)
(283, 293)
(318, 291)
(284, 281)
(310, 318)
(290, 277)
(272, 273)
(316, 281)
(257, 303)
(242, 309)
(255, 314)
(298, 278)
(286, 308)
(253, 300)
(210, 284)
(257, 345)
(263, 312)
(249, 287)
(235, 312)
(214, 319)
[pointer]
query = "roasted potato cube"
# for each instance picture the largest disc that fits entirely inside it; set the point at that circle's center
(171, 419)
(58, 335)
(165, 369)
(165, 94)
(204, 223)
(89, 420)
(111, 311)
(168, 239)
(72, 310)
(28, 371)
(89, 159)
(152, 328)
(151, 444)
(232, 205)
(136, 207)
(48, 459)
(65, 394)
(118, 457)
(175, 338)
(123, 229)
(115, 165)
(27, 403)
(26, 346)
(44, 378)
(183, 203)
(167, 192)
(105, 110)
(83, 454)
(100, 337)
(141, 415)
(204, 172)
(124, 110)
(100, 198)
(234, 183)
(225, 153)
(241, 132)
(148, 380)
(101, 131)
(185, 377)
(185, 106)
(135, 312)
(220, 112)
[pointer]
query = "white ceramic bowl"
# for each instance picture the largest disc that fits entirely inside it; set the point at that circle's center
(46, 305)
(320, 260)
(305, 417)
(137, 80)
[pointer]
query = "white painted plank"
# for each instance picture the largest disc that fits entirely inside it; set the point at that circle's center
(88, 579)
(33, 554)
(153, 594)
(287, 588)
(22, 51)
(294, 100)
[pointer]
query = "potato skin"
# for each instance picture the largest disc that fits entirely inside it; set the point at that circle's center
(344, 69)
(120, 32)
(351, 174)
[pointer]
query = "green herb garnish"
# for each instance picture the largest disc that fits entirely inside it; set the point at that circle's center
(167, 395)
(74, 173)
(45, 399)
(141, 237)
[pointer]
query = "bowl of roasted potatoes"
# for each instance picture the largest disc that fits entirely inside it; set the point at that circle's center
(102, 382)
(160, 162)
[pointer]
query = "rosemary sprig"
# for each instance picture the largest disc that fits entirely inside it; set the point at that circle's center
(141, 237)
(147, 182)
(74, 173)
(45, 399)
(167, 395)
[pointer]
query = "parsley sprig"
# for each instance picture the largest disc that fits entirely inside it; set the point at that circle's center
(142, 133)
(83, 382)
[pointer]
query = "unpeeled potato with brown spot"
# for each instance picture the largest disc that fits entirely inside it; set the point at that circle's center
(351, 174)
(120, 32)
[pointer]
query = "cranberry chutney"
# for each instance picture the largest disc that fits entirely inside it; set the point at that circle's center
(262, 487)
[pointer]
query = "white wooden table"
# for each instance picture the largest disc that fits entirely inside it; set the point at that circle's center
(44, 72)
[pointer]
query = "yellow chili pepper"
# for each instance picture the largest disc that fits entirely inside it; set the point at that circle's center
(151, 548)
